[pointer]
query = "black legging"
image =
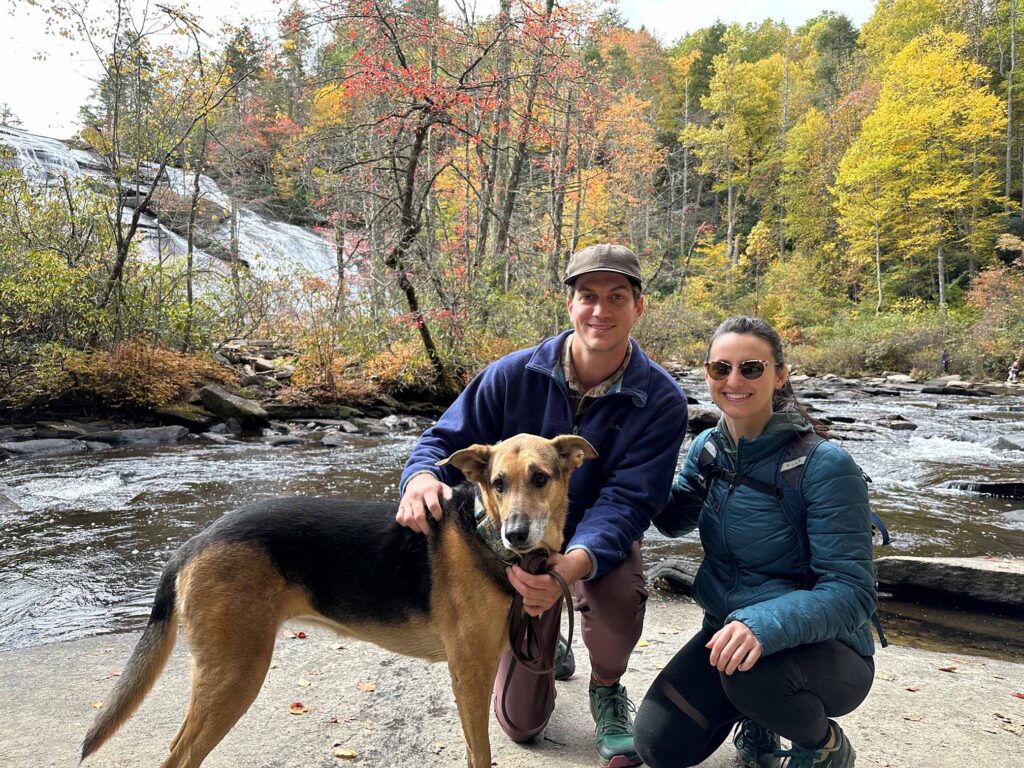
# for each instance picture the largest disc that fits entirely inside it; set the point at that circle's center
(690, 708)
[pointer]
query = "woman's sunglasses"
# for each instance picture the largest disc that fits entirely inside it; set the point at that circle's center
(749, 369)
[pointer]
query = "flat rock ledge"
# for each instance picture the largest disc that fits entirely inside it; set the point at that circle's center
(996, 582)
(993, 581)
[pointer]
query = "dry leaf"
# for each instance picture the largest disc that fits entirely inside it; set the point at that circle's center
(912, 718)
(366, 687)
(1018, 694)
(304, 683)
(885, 676)
(343, 753)
(339, 647)
(947, 669)
(913, 688)
(294, 635)
(298, 708)
(439, 747)
(273, 665)
(98, 704)
(642, 644)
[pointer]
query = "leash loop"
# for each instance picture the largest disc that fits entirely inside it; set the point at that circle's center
(524, 636)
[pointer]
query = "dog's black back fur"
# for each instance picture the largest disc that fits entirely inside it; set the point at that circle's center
(356, 562)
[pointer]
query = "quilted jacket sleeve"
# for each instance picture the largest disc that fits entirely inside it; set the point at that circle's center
(680, 514)
(843, 598)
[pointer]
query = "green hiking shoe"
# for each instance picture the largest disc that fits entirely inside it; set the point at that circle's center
(839, 756)
(756, 745)
(565, 662)
(613, 731)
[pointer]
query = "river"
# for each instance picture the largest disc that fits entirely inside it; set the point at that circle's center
(83, 538)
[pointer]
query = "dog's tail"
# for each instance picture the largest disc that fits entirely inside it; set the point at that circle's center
(144, 666)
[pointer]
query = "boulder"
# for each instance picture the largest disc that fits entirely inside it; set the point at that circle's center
(699, 419)
(994, 581)
(899, 378)
(195, 417)
(1002, 444)
(46, 447)
(53, 429)
(676, 573)
(278, 441)
(898, 423)
(224, 404)
(213, 437)
(333, 440)
(371, 427)
(303, 413)
(144, 436)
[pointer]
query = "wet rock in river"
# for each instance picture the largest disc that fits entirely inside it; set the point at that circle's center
(1002, 490)
(143, 436)
(996, 581)
(371, 427)
(1002, 444)
(898, 423)
(45, 447)
(333, 440)
(278, 441)
(195, 417)
(53, 429)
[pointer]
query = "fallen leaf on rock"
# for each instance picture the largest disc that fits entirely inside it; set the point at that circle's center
(1018, 694)
(439, 747)
(339, 647)
(366, 687)
(96, 704)
(913, 688)
(912, 718)
(642, 644)
(947, 669)
(343, 753)
(273, 665)
(294, 635)
(298, 708)
(304, 683)
(885, 676)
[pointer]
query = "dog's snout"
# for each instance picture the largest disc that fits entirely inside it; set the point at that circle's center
(517, 530)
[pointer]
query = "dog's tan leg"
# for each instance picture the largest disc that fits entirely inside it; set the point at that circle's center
(473, 664)
(233, 604)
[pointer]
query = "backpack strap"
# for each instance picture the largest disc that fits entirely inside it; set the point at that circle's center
(708, 470)
(790, 477)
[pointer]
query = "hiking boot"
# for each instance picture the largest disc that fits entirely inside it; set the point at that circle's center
(565, 662)
(839, 756)
(613, 732)
(756, 745)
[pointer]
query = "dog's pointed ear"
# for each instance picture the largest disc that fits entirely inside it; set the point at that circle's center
(472, 462)
(573, 450)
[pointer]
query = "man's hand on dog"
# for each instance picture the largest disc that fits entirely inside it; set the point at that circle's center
(423, 492)
(541, 591)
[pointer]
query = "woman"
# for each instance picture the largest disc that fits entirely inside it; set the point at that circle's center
(786, 639)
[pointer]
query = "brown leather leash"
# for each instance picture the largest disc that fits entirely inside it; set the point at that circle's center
(523, 633)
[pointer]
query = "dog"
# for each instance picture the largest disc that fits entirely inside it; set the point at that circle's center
(350, 566)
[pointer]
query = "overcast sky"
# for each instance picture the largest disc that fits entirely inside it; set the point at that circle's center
(45, 79)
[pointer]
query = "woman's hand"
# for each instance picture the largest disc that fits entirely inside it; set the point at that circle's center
(734, 647)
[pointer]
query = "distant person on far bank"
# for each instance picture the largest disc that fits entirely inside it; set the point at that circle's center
(1014, 370)
(788, 598)
(594, 381)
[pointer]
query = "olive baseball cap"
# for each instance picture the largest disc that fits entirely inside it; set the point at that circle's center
(604, 258)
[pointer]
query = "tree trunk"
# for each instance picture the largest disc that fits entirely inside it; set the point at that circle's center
(941, 257)
(878, 267)
(519, 158)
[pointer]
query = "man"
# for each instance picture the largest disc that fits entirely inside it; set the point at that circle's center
(596, 382)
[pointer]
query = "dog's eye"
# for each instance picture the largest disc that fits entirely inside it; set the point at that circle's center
(539, 479)
(498, 484)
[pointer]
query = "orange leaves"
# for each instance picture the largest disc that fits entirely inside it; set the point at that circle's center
(298, 708)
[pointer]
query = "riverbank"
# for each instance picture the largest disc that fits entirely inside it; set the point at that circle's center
(926, 708)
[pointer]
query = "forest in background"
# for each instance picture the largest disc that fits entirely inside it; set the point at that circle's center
(861, 189)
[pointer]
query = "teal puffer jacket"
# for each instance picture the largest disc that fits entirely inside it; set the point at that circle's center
(753, 570)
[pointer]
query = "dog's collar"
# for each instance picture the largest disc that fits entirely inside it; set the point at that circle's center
(490, 535)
